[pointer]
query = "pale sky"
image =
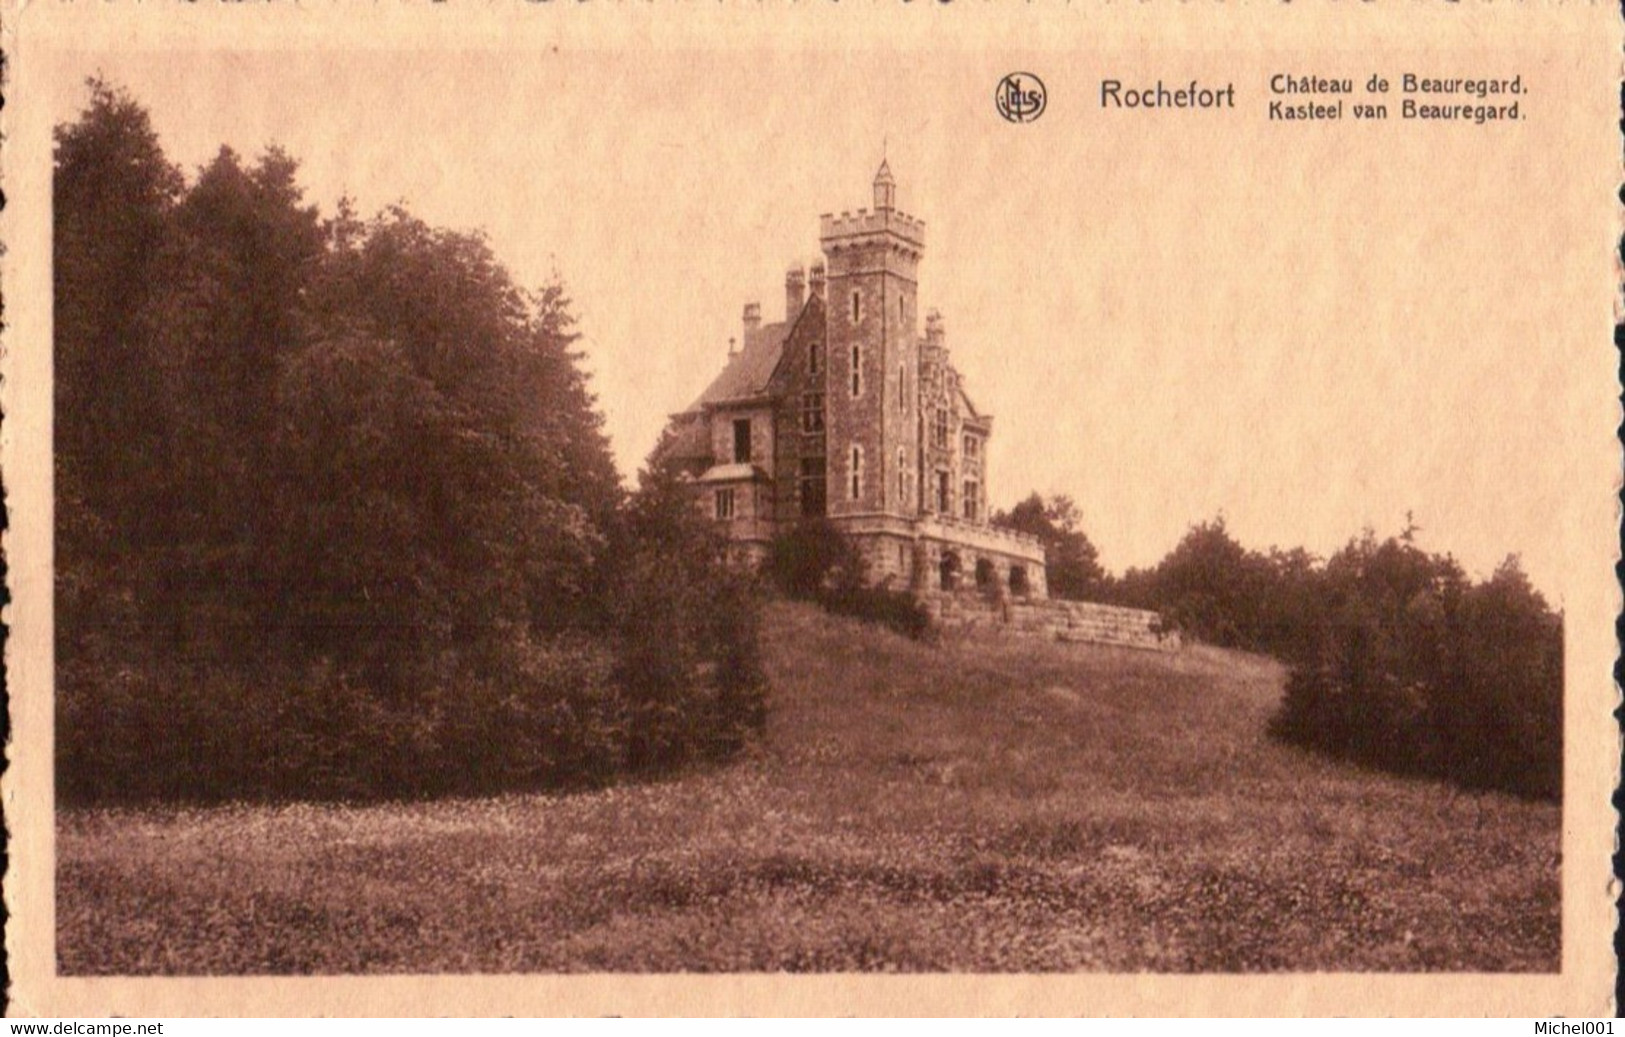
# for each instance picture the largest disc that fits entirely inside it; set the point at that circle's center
(1309, 329)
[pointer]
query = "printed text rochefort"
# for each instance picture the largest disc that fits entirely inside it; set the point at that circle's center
(1192, 94)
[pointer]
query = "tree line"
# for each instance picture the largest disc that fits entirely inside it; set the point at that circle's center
(1398, 659)
(336, 514)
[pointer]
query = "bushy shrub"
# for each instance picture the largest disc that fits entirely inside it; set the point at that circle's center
(684, 615)
(898, 611)
(558, 713)
(205, 731)
(688, 664)
(815, 562)
(811, 558)
(551, 715)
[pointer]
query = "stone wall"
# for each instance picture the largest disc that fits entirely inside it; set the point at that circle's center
(889, 559)
(1050, 620)
(959, 556)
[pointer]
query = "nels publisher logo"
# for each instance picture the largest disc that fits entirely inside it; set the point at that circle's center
(1020, 97)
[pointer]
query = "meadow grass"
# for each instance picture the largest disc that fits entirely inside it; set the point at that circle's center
(976, 805)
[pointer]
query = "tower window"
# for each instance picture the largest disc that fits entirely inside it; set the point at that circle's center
(812, 412)
(902, 388)
(857, 371)
(902, 476)
(815, 358)
(857, 311)
(902, 314)
(855, 490)
(742, 441)
(725, 504)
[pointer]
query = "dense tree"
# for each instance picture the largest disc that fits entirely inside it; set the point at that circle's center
(1398, 659)
(445, 431)
(1508, 703)
(244, 260)
(1073, 568)
(685, 616)
(1411, 666)
(241, 254)
(113, 196)
(337, 514)
(1209, 585)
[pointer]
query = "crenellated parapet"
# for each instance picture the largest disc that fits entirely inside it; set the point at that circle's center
(865, 228)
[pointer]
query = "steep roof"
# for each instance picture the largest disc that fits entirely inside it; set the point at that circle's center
(748, 370)
(969, 406)
(689, 440)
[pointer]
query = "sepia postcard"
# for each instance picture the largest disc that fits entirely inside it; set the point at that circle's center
(811, 508)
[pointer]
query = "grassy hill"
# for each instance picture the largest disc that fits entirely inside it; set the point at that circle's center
(973, 806)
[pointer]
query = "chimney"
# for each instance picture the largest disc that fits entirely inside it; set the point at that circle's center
(795, 285)
(817, 279)
(753, 319)
(933, 329)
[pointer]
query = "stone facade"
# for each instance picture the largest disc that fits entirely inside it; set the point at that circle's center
(846, 411)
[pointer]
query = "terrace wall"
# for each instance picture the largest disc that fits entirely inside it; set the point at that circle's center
(1050, 619)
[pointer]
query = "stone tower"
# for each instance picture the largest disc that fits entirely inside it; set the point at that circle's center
(872, 396)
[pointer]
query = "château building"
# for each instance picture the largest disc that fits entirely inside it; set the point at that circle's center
(847, 410)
